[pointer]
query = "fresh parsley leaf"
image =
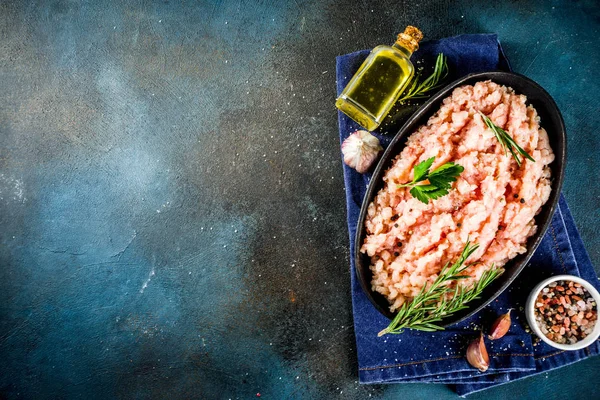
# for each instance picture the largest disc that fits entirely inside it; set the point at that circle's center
(419, 194)
(422, 169)
(440, 180)
(425, 192)
(445, 175)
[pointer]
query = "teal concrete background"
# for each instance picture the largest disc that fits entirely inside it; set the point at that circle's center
(171, 198)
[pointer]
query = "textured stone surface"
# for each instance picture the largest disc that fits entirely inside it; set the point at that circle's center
(171, 196)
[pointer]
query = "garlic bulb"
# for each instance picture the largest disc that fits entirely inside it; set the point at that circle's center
(360, 150)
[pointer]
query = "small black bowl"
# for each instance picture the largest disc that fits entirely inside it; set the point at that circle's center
(551, 120)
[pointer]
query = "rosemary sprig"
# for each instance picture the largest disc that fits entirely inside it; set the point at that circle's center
(439, 300)
(506, 141)
(440, 180)
(423, 90)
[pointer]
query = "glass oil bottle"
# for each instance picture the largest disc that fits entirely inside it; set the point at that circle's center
(380, 80)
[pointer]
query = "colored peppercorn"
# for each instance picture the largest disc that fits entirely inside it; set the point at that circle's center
(565, 312)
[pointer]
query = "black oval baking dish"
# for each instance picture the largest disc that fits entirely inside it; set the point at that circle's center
(551, 120)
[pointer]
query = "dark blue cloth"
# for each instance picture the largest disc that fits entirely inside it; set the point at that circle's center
(439, 357)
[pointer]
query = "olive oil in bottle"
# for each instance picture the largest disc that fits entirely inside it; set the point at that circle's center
(380, 80)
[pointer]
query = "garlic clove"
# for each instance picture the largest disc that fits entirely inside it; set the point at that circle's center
(500, 326)
(477, 354)
(360, 150)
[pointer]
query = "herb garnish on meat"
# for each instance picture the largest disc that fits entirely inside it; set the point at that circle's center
(506, 141)
(440, 180)
(439, 300)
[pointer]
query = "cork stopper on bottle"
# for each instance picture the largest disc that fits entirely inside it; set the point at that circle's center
(410, 38)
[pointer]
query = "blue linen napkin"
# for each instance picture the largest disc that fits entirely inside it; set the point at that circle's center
(439, 357)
